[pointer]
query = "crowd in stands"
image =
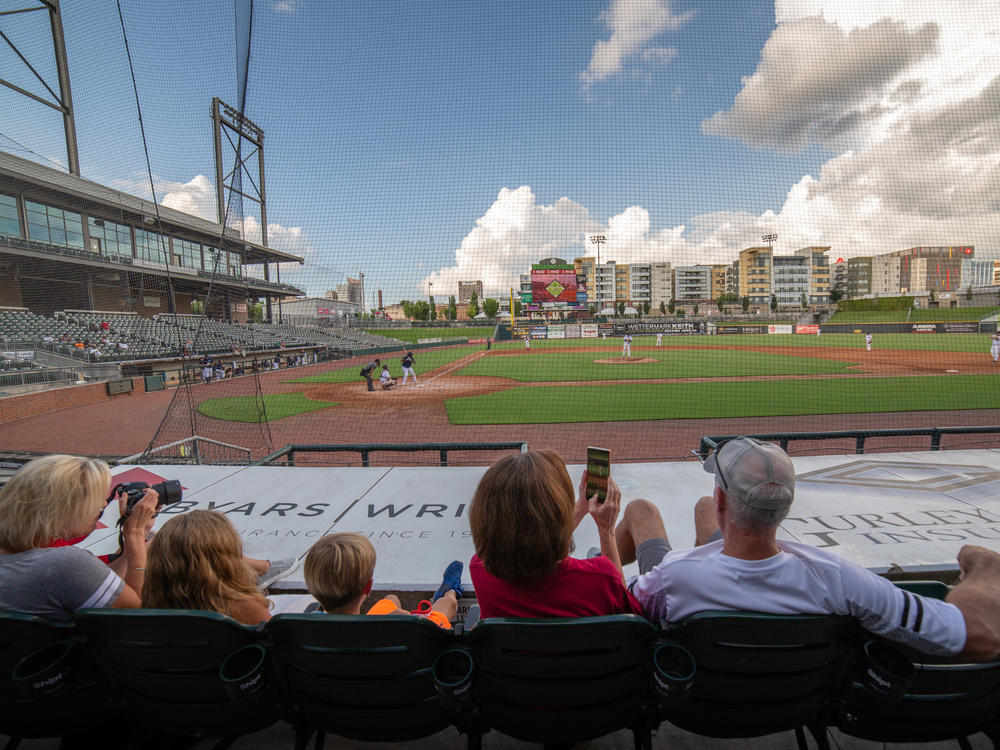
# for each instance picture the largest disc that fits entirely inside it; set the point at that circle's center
(101, 336)
(522, 517)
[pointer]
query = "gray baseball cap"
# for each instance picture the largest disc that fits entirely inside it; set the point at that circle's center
(743, 464)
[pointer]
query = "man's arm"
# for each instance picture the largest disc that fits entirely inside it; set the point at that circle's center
(977, 595)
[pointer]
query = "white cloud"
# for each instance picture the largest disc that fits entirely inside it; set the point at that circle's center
(633, 25)
(196, 197)
(817, 83)
(285, 6)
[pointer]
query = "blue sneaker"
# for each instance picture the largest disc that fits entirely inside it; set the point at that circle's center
(451, 581)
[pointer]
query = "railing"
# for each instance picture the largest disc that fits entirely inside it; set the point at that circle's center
(366, 449)
(711, 443)
(192, 450)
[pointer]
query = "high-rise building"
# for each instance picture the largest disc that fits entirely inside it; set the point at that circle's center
(718, 286)
(931, 269)
(692, 284)
(859, 276)
(885, 276)
(660, 285)
(755, 275)
(819, 274)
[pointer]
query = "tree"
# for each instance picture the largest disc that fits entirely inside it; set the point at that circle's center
(452, 312)
(721, 302)
(473, 308)
(491, 307)
(255, 311)
(621, 308)
(672, 307)
(774, 302)
(805, 300)
(663, 307)
(197, 307)
(968, 292)
(694, 309)
(931, 298)
(432, 310)
(645, 307)
(746, 303)
(517, 307)
(836, 295)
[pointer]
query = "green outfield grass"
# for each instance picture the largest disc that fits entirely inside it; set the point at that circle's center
(760, 398)
(247, 408)
(944, 342)
(424, 360)
(917, 315)
(670, 363)
(413, 334)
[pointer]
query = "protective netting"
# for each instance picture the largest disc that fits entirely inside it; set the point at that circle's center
(706, 181)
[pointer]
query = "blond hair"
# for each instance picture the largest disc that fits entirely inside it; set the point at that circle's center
(195, 561)
(338, 568)
(49, 497)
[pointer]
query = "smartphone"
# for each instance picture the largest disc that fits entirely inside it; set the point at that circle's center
(598, 471)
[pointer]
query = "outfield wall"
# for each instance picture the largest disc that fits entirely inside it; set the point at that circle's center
(701, 327)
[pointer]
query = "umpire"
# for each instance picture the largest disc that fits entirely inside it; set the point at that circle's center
(367, 370)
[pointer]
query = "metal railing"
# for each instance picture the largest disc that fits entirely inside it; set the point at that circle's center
(710, 443)
(366, 449)
(192, 450)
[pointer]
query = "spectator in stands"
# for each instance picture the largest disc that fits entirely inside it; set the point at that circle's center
(105, 326)
(48, 337)
(122, 345)
(386, 379)
(739, 564)
(64, 338)
(94, 352)
(78, 344)
(196, 562)
(523, 515)
(339, 571)
(63, 497)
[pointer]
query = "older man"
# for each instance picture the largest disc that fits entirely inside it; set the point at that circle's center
(739, 564)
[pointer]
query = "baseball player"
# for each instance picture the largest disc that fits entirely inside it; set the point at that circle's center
(868, 342)
(407, 363)
(995, 346)
(659, 339)
(527, 341)
(386, 379)
(627, 345)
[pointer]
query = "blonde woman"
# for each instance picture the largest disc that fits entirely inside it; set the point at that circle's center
(196, 562)
(62, 497)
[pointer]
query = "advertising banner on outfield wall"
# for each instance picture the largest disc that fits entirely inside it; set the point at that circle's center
(588, 331)
(556, 332)
(723, 328)
(605, 329)
(781, 328)
(572, 331)
(669, 329)
(923, 328)
(807, 329)
(539, 332)
(960, 326)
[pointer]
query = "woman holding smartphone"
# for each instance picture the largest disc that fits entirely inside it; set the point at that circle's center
(523, 515)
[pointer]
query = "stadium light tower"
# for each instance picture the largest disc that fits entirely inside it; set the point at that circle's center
(598, 239)
(769, 240)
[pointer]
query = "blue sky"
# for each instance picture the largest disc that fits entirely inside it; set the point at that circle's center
(439, 141)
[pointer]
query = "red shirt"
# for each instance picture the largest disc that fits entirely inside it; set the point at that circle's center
(577, 588)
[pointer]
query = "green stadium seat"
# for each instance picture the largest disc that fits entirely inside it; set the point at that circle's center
(166, 665)
(365, 678)
(762, 674)
(947, 700)
(83, 703)
(563, 680)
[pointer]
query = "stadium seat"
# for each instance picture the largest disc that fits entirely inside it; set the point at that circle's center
(83, 702)
(761, 674)
(366, 678)
(166, 665)
(563, 681)
(946, 700)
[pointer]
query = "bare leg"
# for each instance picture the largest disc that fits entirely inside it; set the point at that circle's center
(447, 604)
(705, 521)
(640, 522)
(260, 567)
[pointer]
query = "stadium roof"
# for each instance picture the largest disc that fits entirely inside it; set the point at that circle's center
(92, 193)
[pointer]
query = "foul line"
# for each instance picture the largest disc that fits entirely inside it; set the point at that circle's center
(460, 364)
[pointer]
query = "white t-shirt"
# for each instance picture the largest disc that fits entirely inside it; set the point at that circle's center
(800, 579)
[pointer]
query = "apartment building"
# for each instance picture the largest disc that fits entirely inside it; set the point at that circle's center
(692, 284)
(859, 276)
(755, 275)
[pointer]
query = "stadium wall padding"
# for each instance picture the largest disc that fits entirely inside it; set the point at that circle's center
(30, 404)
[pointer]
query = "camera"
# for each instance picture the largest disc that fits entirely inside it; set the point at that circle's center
(169, 490)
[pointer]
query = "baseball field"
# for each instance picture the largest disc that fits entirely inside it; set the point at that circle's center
(568, 393)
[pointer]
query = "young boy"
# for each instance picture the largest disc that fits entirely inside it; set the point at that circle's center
(338, 572)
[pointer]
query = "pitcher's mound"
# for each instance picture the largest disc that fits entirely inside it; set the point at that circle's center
(625, 361)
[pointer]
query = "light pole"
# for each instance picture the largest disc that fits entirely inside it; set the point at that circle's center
(430, 301)
(362, 275)
(597, 239)
(769, 240)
